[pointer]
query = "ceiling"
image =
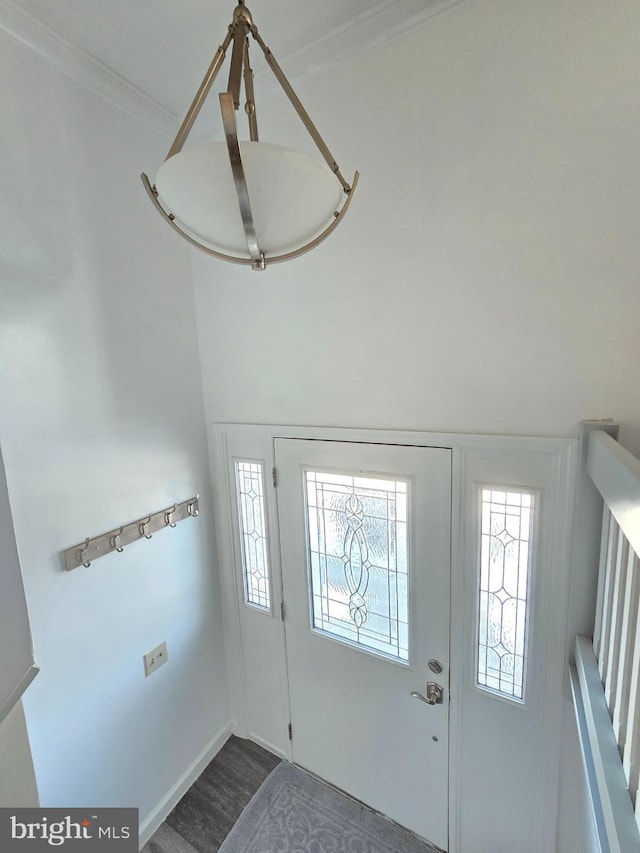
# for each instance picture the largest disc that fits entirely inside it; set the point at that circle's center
(163, 47)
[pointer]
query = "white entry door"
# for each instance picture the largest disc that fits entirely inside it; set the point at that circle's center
(365, 540)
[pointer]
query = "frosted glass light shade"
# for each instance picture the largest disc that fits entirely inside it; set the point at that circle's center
(293, 197)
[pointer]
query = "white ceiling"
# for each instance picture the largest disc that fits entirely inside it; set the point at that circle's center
(163, 47)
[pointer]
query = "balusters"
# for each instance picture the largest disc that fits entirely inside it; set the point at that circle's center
(617, 645)
(604, 651)
(627, 644)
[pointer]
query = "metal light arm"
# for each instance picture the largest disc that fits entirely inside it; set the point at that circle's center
(250, 105)
(242, 191)
(201, 96)
(297, 105)
(241, 31)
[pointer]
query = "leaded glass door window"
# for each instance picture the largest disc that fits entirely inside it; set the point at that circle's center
(357, 558)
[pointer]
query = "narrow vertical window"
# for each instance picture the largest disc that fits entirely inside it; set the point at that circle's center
(253, 533)
(503, 601)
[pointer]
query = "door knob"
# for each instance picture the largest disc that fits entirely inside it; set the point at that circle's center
(435, 694)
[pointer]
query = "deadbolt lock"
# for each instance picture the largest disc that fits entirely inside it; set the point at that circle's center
(435, 666)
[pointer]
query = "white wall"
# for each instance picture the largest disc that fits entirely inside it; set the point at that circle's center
(102, 422)
(486, 278)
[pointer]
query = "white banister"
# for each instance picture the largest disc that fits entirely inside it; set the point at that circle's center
(615, 815)
(616, 473)
(606, 677)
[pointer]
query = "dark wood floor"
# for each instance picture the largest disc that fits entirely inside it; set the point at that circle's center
(205, 815)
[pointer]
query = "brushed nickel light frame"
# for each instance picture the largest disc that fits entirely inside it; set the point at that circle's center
(240, 69)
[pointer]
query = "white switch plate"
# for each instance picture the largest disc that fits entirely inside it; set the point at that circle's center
(155, 658)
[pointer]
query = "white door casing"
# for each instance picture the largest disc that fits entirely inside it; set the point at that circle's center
(354, 720)
(487, 809)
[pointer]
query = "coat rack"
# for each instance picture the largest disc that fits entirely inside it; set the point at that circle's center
(84, 553)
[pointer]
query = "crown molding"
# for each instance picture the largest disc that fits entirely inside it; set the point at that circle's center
(379, 25)
(80, 66)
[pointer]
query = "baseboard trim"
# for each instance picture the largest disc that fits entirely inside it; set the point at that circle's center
(276, 750)
(177, 791)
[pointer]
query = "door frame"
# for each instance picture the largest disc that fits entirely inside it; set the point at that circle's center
(252, 441)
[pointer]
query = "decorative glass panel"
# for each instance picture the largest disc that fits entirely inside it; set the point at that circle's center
(253, 535)
(505, 558)
(357, 546)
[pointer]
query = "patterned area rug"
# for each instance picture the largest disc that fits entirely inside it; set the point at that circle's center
(294, 813)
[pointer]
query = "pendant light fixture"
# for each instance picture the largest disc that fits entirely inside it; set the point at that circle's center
(248, 202)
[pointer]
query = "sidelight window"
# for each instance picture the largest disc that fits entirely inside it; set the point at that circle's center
(504, 590)
(253, 534)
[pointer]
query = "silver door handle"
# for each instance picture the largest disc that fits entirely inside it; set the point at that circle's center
(435, 694)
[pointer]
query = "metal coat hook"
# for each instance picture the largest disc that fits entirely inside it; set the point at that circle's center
(84, 554)
(144, 528)
(88, 551)
(115, 542)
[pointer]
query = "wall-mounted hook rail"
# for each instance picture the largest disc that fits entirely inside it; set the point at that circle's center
(85, 552)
